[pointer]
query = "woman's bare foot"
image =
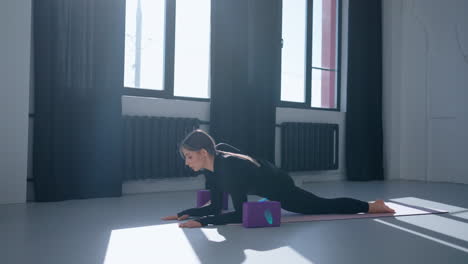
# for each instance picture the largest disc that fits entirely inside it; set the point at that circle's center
(379, 207)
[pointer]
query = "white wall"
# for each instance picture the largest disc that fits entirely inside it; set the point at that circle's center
(134, 105)
(15, 51)
(425, 65)
(392, 85)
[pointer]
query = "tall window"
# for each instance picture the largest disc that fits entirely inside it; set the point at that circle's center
(309, 72)
(167, 48)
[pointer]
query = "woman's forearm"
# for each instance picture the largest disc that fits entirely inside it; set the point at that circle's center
(202, 211)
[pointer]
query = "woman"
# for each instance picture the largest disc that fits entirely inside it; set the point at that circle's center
(240, 175)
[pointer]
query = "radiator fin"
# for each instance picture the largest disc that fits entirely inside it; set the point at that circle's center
(309, 146)
(150, 147)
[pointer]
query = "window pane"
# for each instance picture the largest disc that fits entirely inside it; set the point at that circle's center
(324, 28)
(293, 53)
(192, 48)
(144, 44)
(323, 89)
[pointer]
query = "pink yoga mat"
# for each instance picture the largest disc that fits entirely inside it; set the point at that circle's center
(400, 209)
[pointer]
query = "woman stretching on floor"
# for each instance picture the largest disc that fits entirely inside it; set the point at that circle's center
(240, 175)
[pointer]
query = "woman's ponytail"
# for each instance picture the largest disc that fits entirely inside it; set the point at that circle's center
(196, 141)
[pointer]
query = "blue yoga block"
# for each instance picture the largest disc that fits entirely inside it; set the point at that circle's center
(261, 214)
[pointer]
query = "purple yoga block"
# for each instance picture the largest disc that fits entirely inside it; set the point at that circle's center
(261, 214)
(203, 196)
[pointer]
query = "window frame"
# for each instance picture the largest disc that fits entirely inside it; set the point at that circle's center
(169, 53)
(309, 67)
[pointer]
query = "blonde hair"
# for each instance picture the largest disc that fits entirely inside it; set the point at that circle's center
(240, 156)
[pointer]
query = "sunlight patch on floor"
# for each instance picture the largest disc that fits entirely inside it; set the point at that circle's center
(428, 204)
(434, 223)
(423, 236)
(278, 255)
(212, 234)
(439, 224)
(463, 215)
(150, 244)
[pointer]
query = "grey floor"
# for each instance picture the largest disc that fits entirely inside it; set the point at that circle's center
(129, 230)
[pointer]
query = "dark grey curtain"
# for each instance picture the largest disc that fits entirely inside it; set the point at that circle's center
(78, 81)
(245, 71)
(364, 154)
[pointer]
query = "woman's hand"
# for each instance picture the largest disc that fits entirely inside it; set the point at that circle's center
(190, 224)
(175, 217)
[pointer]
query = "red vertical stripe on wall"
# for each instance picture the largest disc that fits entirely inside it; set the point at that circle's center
(328, 52)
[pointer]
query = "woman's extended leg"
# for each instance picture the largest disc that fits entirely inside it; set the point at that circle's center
(301, 201)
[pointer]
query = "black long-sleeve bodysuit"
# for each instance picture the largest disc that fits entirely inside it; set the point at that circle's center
(241, 177)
